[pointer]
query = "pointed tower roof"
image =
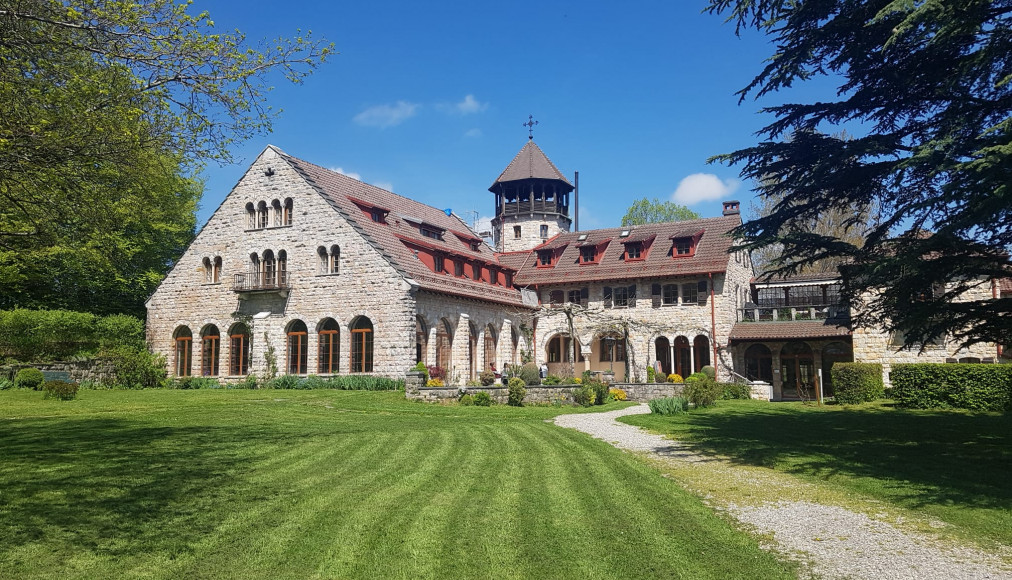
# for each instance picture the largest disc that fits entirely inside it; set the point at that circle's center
(530, 163)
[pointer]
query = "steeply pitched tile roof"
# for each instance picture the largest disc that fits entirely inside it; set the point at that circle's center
(515, 260)
(710, 255)
(531, 162)
(1005, 285)
(787, 330)
(348, 195)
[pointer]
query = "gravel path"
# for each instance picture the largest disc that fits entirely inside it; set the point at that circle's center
(832, 542)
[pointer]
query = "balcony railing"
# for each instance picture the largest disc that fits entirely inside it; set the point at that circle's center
(259, 282)
(793, 313)
(537, 206)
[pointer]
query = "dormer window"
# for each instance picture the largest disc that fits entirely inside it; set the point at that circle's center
(684, 246)
(633, 251)
(376, 215)
(458, 268)
(545, 257)
(587, 255)
(431, 233)
(475, 246)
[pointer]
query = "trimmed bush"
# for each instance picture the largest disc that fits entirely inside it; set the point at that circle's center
(669, 405)
(735, 391)
(60, 390)
(482, 399)
(138, 368)
(702, 391)
(977, 387)
(709, 371)
(530, 373)
(675, 378)
(46, 335)
(30, 378)
(487, 378)
(855, 383)
(420, 367)
(617, 395)
(466, 400)
(650, 374)
(517, 392)
(552, 380)
(584, 395)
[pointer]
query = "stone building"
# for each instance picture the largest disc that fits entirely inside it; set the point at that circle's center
(303, 270)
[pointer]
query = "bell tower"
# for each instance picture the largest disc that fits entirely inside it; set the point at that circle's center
(531, 201)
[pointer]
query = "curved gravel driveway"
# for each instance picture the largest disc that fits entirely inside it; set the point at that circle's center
(833, 542)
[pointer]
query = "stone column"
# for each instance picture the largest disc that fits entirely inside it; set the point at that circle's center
(459, 363)
(505, 343)
(671, 346)
(692, 355)
(778, 393)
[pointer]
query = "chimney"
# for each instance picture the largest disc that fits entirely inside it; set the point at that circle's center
(731, 207)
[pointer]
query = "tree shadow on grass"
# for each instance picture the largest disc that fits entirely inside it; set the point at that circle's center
(933, 457)
(115, 487)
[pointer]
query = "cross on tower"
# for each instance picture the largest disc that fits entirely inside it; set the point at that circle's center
(530, 126)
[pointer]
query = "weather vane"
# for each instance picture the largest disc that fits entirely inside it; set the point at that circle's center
(530, 126)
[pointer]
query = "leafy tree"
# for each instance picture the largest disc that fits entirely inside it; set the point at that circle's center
(926, 84)
(107, 112)
(646, 211)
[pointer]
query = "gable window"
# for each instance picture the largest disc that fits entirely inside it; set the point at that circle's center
(376, 215)
(682, 247)
(298, 348)
(475, 246)
(208, 271)
(587, 255)
(670, 294)
(251, 216)
(633, 251)
(544, 232)
(209, 343)
(690, 294)
(516, 232)
(238, 363)
(276, 205)
(545, 257)
(184, 351)
(289, 206)
(262, 215)
(361, 345)
(216, 275)
(328, 360)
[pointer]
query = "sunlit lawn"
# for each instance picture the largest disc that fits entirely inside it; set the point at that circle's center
(952, 465)
(336, 484)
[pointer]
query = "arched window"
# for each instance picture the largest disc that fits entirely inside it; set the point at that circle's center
(759, 363)
(208, 271)
(289, 207)
(276, 206)
(335, 259)
(282, 268)
(444, 344)
(612, 348)
(269, 277)
(254, 271)
(184, 350)
(298, 348)
(662, 350)
(238, 339)
(797, 369)
(421, 339)
(321, 252)
(329, 349)
(683, 361)
(262, 215)
(361, 345)
(251, 216)
(216, 277)
(701, 350)
(209, 344)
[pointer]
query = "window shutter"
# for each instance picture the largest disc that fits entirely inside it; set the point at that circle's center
(584, 296)
(632, 296)
(655, 295)
(701, 292)
(607, 296)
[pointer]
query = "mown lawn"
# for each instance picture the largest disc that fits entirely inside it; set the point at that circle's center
(337, 484)
(952, 465)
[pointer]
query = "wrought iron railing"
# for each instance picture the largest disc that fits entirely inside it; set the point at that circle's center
(793, 313)
(258, 281)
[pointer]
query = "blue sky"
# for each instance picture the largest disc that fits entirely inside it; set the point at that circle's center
(427, 99)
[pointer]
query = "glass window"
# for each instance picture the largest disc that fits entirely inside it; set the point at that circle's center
(209, 351)
(238, 363)
(298, 349)
(632, 251)
(361, 345)
(620, 296)
(516, 232)
(690, 294)
(573, 297)
(670, 294)
(544, 232)
(328, 352)
(587, 254)
(184, 352)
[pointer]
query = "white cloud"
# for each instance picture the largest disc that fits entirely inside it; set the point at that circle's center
(384, 185)
(473, 133)
(470, 105)
(384, 116)
(350, 174)
(703, 187)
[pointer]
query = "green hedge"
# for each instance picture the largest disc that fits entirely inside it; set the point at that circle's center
(47, 335)
(857, 382)
(978, 387)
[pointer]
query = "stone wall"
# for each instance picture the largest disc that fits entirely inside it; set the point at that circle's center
(99, 371)
(530, 231)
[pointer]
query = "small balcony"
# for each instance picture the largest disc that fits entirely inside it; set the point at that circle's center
(832, 312)
(256, 282)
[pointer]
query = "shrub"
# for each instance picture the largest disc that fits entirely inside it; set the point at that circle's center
(584, 395)
(61, 334)
(552, 380)
(138, 368)
(363, 383)
(314, 382)
(6, 384)
(119, 330)
(586, 377)
(466, 400)
(857, 382)
(978, 387)
(650, 374)
(435, 383)
(577, 381)
(284, 382)
(600, 392)
(482, 399)
(472, 383)
(702, 391)
(436, 372)
(517, 392)
(250, 382)
(617, 394)
(420, 367)
(487, 378)
(193, 383)
(675, 378)
(735, 391)
(60, 390)
(530, 374)
(30, 378)
(709, 371)
(669, 405)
